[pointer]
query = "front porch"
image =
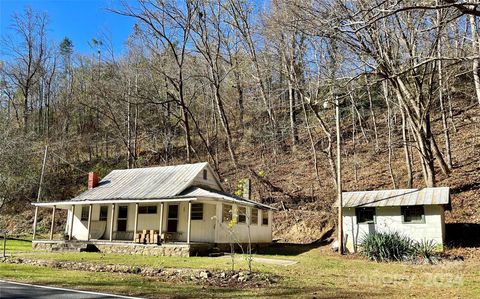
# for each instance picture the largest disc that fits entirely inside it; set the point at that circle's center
(150, 223)
(181, 249)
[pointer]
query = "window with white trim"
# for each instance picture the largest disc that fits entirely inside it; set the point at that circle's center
(227, 213)
(197, 211)
(84, 216)
(103, 213)
(254, 216)
(264, 217)
(242, 214)
(147, 210)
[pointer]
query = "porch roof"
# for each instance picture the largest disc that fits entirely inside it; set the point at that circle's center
(222, 196)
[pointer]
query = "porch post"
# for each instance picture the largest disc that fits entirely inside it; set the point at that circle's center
(111, 222)
(53, 223)
(35, 223)
(189, 223)
(136, 222)
(160, 225)
(71, 223)
(89, 221)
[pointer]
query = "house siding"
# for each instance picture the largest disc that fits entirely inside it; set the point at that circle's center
(208, 230)
(259, 233)
(389, 219)
(210, 182)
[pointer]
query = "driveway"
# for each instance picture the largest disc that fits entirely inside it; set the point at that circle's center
(10, 290)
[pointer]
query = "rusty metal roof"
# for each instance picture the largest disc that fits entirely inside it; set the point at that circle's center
(397, 197)
(144, 183)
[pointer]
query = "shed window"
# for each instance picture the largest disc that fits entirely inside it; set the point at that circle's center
(147, 210)
(197, 211)
(365, 215)
(103, 213)
(254, 216)
(226, 213)
(242, 215)
(265, 217)
(413, 214)
(205, 174)
(84, 213)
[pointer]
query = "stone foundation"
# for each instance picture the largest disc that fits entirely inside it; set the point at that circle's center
(182, 250)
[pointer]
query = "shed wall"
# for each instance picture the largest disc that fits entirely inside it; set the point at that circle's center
(389, 219)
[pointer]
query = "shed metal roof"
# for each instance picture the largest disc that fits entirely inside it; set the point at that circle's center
(397, 197)
(144, 183)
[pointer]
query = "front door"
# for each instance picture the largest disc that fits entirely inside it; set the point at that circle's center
(172, 218)
(122, 218)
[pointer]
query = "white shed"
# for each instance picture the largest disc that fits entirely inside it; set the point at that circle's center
(183, 205)
(415, 213)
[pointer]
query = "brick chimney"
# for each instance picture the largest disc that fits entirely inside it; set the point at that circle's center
(92, 180)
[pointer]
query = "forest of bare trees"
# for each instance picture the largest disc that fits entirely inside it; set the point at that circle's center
(233, 82)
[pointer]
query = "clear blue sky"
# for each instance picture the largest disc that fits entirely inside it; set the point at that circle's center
(80, 20)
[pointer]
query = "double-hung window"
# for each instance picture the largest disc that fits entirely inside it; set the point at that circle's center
(197, 211)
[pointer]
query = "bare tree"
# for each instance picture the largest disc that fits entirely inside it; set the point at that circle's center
(28, 54)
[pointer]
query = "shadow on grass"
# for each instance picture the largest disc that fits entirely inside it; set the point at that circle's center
(462, 234)
(292, 249)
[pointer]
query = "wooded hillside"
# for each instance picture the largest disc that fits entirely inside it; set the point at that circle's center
(249, 88)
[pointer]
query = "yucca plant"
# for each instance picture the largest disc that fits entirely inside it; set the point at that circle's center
(425, 249)
(388, 246)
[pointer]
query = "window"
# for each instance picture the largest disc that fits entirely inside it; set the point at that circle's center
(265, 217)
(254, 216)
(205, 174)
(84, 213)
(147, 210)
(365, 215)
(197, 211)
(242, 214)
(413, 214)
(122, 218)
(172, 223)
(226, 213)
(103, 213)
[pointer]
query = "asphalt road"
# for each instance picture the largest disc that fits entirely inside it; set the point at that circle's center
(11, 290)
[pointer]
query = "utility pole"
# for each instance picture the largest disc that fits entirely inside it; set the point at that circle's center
(339, 178)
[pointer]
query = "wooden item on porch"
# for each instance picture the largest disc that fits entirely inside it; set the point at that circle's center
(170, 236)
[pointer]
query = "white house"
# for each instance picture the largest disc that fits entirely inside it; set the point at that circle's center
(171, 210)
(416, 213)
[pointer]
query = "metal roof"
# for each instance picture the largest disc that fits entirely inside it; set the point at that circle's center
(155, 184)
(144, 183)
(214, 194)
(397, 197)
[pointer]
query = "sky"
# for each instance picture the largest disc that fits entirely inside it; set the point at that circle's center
(79, 20)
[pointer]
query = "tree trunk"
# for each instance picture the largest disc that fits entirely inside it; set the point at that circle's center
(390, 168)
(406, 149)
(476, 61)
(372, 112)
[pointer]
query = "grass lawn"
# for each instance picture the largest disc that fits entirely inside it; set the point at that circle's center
(318, 273)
